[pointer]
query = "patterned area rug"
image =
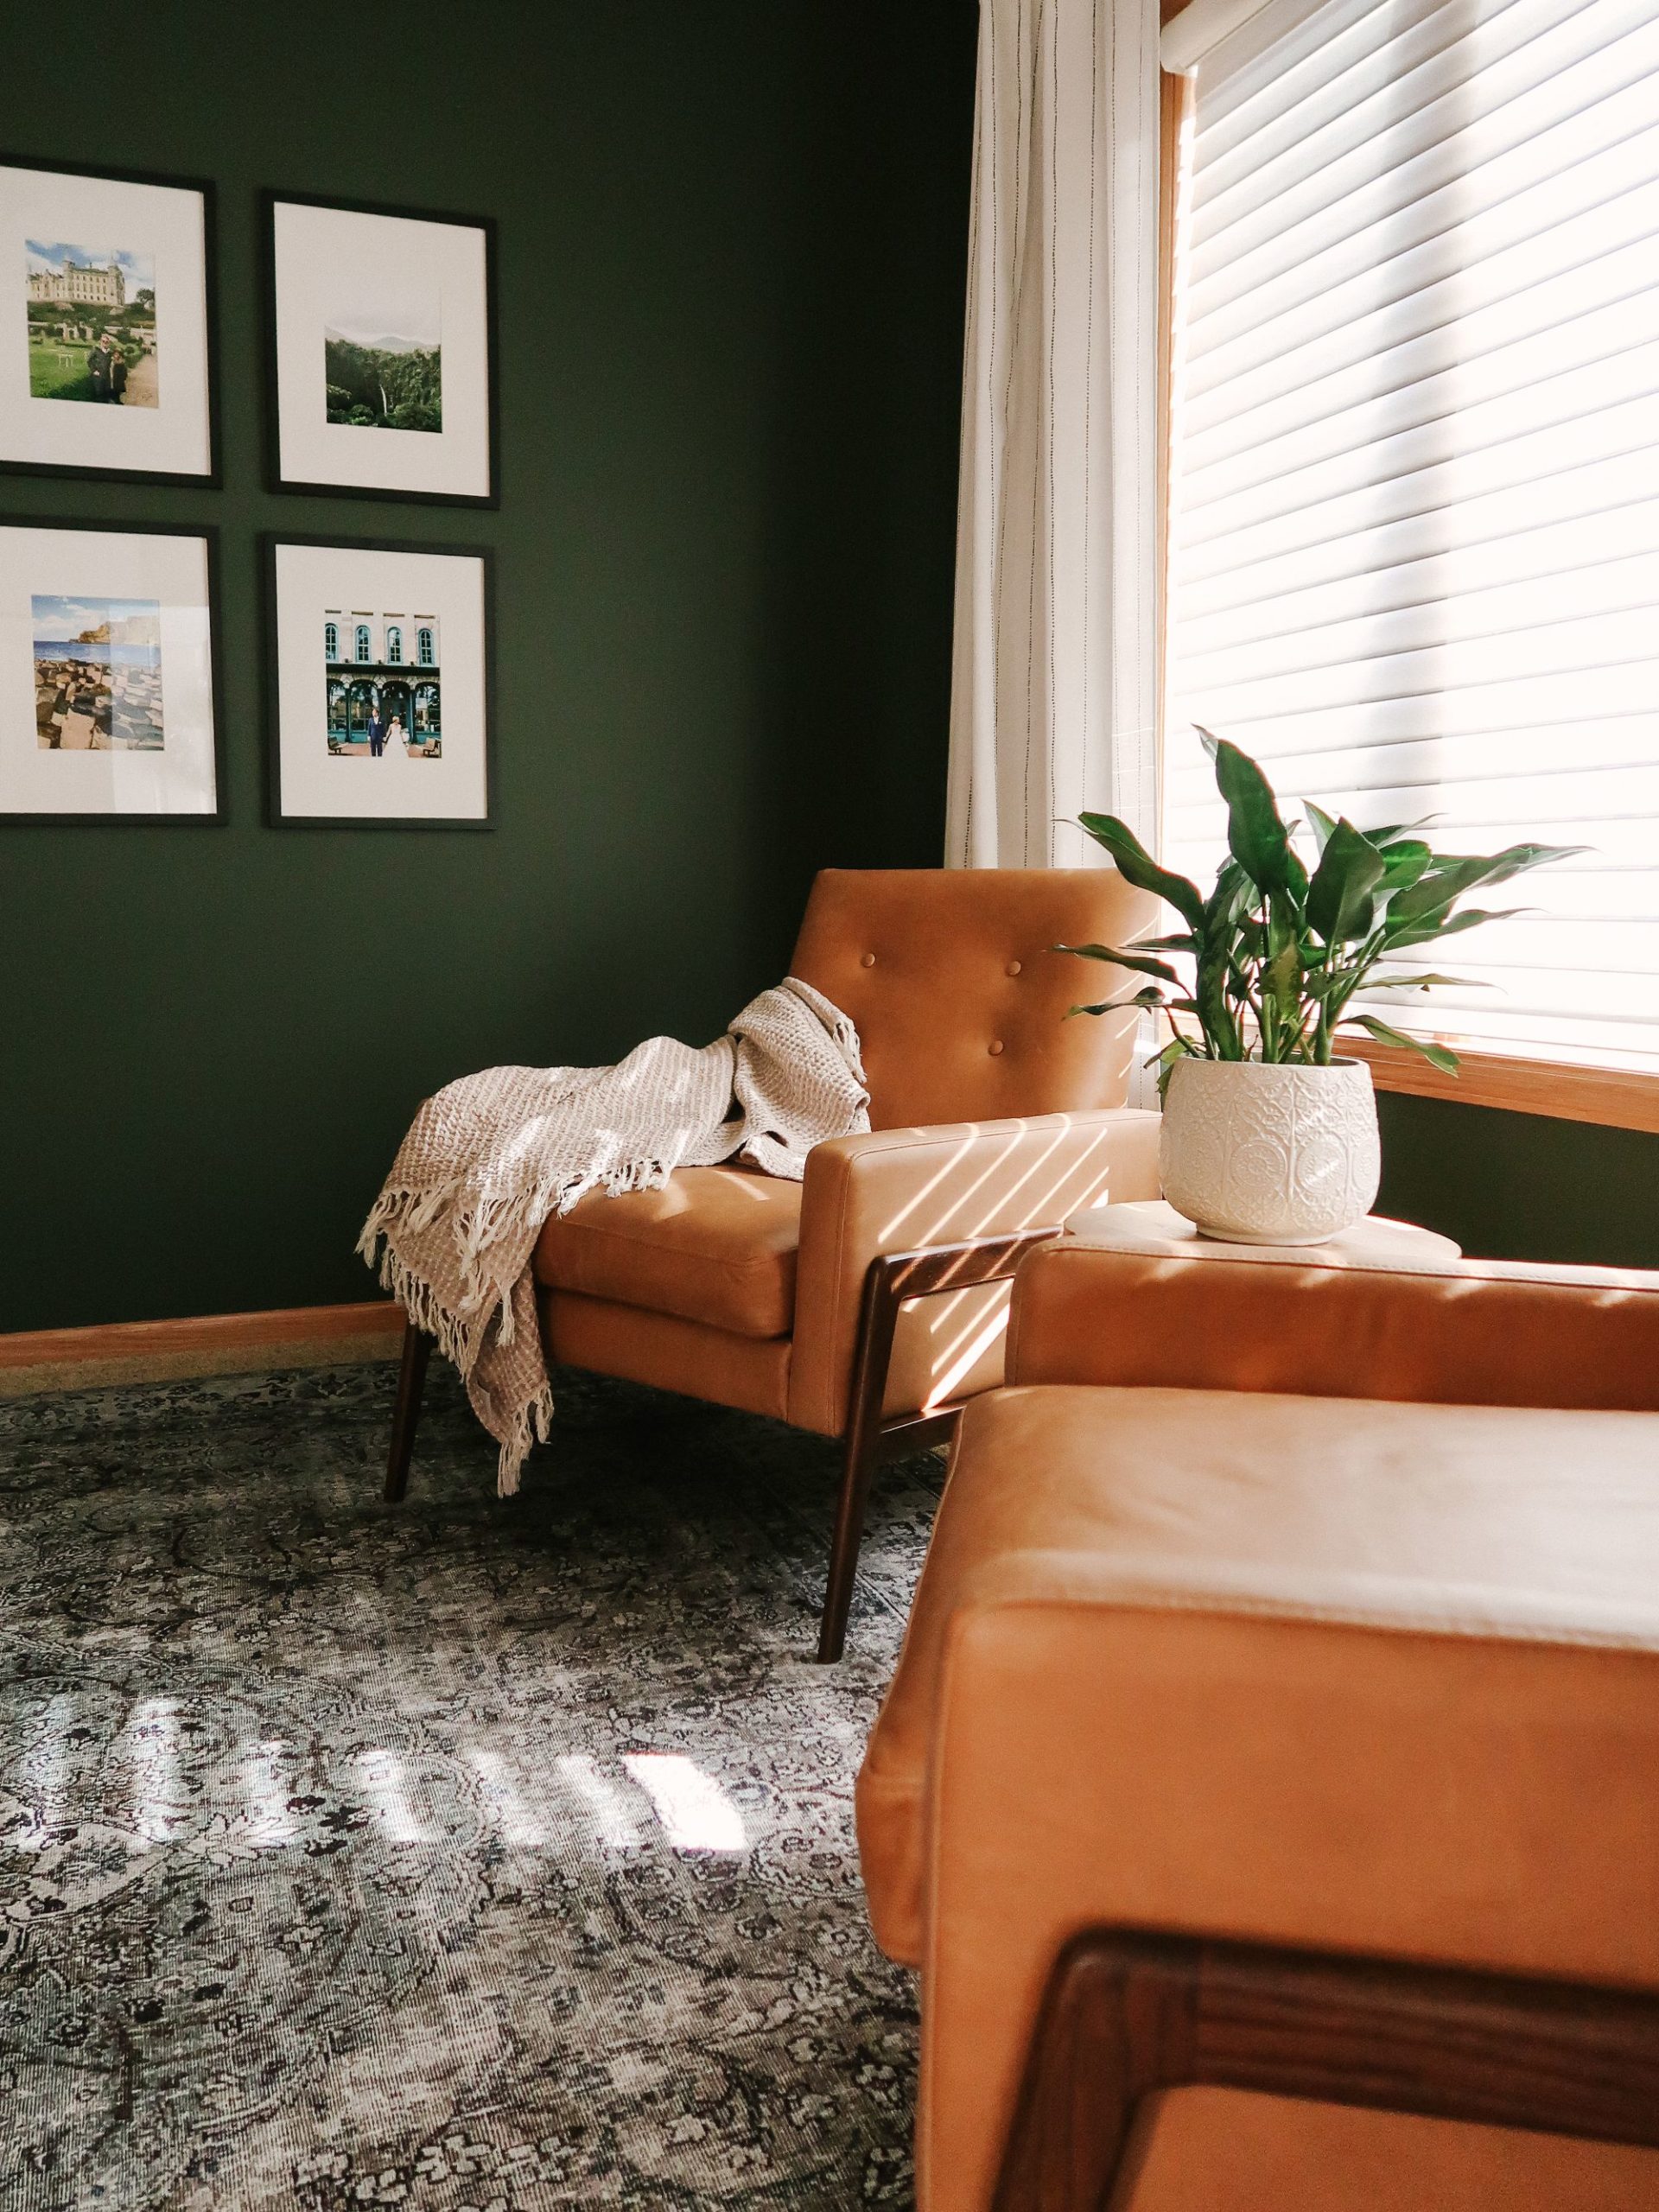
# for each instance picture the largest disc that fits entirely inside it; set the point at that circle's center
(465, 1856)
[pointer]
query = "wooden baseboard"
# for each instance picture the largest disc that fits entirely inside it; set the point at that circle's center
(208, 1343)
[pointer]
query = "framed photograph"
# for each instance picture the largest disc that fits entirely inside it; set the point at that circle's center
(106, 324)
(382, 342)
(109, 704)
(380, 697)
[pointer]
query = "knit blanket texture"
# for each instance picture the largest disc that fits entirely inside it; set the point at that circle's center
(489, 1158)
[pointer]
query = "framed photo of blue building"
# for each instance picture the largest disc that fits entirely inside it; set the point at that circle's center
(380, 700)
(382, 351)
(106, 324)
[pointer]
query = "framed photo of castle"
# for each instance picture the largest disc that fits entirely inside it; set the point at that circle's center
(106, 324)
(379, 704)
(382, 351)
(109, 673)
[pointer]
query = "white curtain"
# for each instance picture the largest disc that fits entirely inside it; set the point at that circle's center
(1055, 678)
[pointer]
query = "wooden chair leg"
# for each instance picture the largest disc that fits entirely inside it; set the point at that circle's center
(863, 1449)
(412, 1382)
(893, 1278)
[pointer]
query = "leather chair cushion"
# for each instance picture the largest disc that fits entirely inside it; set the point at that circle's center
(666, 1351)
(714, 1245)
(1518, 1525)
(959, 997)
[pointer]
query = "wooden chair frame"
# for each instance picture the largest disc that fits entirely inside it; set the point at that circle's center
(1125, 2015)
(869, 1439)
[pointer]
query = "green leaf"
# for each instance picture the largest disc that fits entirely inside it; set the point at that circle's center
(1441, 926)
(1256, 836)
(1150, 997)
(1320, 823)
(1136, 866)
(1185, 942)
(1453, 874)
(1140, 962)
(1437, 1055)
(1425, 982)
(1340, 901)
(1405, 861)
(1179, 1048)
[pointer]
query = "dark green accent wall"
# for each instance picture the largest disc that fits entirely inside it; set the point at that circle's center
(732, 242)
(1516, 1186)
(732, 256)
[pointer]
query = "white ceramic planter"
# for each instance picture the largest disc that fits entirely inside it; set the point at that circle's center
(1270, 1155)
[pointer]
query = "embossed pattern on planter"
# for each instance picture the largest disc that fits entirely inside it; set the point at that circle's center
(1270, 1155)
(469, 1856)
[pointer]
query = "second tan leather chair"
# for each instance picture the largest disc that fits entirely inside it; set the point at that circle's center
(868, 1301)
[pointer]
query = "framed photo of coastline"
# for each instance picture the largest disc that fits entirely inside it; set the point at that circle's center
(106, 324)
(382, 351)
(109, 673)
(380, 683)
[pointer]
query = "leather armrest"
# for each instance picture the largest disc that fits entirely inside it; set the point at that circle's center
(1268, 1780)
(907, 1190)
(1472, 1332)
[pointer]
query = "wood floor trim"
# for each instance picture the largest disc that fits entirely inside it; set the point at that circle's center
(121, 1341)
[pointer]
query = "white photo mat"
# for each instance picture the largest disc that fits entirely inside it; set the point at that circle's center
(311, 586)
(411, 278)
(171, 572)
(168, 225)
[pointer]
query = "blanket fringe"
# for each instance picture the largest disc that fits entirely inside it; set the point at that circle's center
(785, 1076)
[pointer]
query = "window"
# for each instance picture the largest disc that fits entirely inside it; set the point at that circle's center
(331, 640)
(394, 645)
(1415, 555)
(423, 649)
(363, 652)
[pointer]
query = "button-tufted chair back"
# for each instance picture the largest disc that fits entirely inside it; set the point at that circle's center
(959, 1003)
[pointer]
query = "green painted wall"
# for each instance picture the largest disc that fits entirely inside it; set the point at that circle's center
(733, 243)
(1515, 1187)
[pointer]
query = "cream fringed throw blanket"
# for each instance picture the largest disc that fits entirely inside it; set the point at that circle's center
(489, 1158)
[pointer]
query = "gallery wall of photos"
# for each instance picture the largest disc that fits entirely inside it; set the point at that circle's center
(378, 368)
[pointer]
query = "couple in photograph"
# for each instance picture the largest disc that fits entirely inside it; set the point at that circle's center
(107, 366)
(380, 736)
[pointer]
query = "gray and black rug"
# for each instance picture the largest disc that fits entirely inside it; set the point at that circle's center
(465, 1856)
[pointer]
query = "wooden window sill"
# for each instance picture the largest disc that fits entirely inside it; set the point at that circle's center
(1619, 1098)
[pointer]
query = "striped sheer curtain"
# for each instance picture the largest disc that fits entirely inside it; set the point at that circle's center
(1054, 687)
(1416, 539)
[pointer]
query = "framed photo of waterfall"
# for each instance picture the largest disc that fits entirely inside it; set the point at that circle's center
(382, 351)
(379, 691)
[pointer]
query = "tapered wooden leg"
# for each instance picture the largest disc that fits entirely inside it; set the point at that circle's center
(876, 1321)
(411, 1380)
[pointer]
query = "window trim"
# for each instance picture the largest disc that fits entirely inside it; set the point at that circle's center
(1564, 1091)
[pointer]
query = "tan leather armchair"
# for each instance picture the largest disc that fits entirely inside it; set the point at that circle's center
(869, 1302)
(1269, 1786)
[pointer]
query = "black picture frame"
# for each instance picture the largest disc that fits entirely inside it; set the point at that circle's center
(271, 197)
(208, 532)
(270, 541)
(213, 481)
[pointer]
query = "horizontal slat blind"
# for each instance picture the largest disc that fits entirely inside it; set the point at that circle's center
(1415, 564)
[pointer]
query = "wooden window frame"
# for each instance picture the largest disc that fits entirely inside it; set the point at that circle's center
(1618, 1098)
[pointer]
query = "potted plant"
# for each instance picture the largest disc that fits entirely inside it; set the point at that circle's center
(1269, 1135)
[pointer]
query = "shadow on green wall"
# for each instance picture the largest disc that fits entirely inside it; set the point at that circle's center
(1517, 1187)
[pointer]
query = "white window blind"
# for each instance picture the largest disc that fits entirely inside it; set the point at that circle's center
(1415, 523)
